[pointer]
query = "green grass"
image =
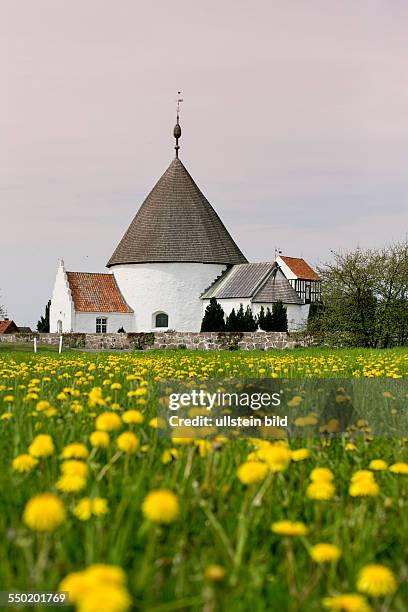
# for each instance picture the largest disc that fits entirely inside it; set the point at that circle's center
(221, 521)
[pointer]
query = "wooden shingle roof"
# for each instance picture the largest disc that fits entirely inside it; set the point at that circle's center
(176, 223)
(94, 292)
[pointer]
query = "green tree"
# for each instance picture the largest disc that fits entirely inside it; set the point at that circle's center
(43, 325)
(250, 322)
(279, 317)
(261, 318)
(213, 320)
(231, 321)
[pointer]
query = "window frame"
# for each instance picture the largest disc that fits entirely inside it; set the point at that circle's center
(102, 323)
(160, 314)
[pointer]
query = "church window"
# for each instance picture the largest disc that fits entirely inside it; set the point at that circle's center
(161, 319)
(101, 325)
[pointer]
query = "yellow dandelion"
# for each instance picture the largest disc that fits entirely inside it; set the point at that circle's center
(376, 580)
(325, 553)
(399, 468)
(108, 421)
(321, 473)
(44, 512)
(71, 483)
(215, 573)
(73, 467)
(24, 463)
(349, 602)
(41, 446)
(252, 472)
(321, 490)
(133, 417)
(76, 450)
(161, 506)
(300, 454)
(378, 465)
(128, 442)
(289, 528)
(99, 439)
(276, 456)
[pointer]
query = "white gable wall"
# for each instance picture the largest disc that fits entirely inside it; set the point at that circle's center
(171, 288)
(285, 269)
(62, 306)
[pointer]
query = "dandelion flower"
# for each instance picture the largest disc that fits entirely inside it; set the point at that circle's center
(252, 472)
(161, 506)
(363, 484)
(321, 490)
(378, 465)
(215, 573)
(99, 439)
(73, 467)
(376, 580)
(71, 483)
(105, 598)
(321, 473)
(349, 602)
(24, 463)
(76, 450)
(300, 454)
(399, 468)
(86, 507)
(41, 446)
(325, 553)
(44, 512)
(128, 442)
(133, 416)
(289, 528)
(108, 421)
(276, 456)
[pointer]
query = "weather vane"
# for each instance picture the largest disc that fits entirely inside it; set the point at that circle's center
(177, 128)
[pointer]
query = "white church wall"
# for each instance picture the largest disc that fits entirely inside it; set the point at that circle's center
(171, 288)
(62, 307)
(285, 268)
(85, 322)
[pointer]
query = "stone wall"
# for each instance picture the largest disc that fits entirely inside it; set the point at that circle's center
(163, 340)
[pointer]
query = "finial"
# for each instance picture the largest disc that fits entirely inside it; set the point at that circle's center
(177, 128)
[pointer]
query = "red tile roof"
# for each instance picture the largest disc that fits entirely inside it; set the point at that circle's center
(8, 327)
(300, 268)
(94, 292)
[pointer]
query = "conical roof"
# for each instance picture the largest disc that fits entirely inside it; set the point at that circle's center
(176, 223)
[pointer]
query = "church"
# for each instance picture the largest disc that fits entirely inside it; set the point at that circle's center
(175, 256)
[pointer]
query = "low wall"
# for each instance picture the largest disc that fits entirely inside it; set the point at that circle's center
(262, 341)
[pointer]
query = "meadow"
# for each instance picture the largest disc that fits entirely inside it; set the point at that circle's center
(94, 502)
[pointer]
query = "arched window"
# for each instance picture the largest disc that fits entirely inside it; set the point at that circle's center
(161, 319)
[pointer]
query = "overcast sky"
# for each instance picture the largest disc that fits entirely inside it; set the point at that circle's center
(295, 126)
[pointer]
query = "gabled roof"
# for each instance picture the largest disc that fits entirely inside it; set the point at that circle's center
(277, 288)
(94, 292)
(240, 281)
(8, 327)
(260, 282)
(176, 223)
(300, 268)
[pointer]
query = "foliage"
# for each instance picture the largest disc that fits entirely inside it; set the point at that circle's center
(365, 296)
(213, 320)
(279, 321)
(241, 321)
(43, 325)
(250, 544)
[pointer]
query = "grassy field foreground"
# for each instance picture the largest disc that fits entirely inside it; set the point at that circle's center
(93, 502)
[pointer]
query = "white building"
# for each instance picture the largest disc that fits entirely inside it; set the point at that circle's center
(175, 256)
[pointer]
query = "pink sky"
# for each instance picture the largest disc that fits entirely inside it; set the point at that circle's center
(295, 126)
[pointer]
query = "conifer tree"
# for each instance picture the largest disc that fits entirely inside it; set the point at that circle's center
(213, 320)
(240, 323)
(279, 316)
(268, 324)
(251, 324)
(261, 318)
(231, 321)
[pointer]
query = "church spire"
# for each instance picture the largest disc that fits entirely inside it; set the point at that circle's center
(177, 128)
